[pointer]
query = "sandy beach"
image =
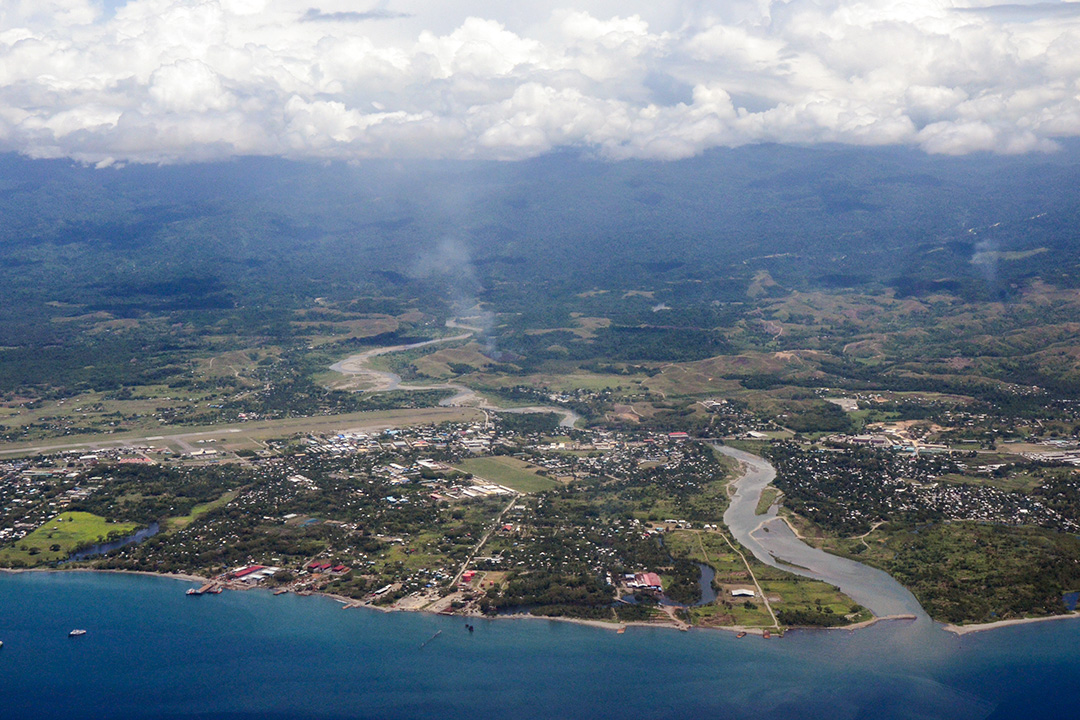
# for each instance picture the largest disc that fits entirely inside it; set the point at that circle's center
(983, 627)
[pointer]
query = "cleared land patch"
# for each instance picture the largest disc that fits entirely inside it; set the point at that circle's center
(181, 522)
(511, 472)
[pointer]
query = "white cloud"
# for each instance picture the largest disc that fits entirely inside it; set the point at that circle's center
(176, 80)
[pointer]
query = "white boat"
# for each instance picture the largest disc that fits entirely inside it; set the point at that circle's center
(76, 633)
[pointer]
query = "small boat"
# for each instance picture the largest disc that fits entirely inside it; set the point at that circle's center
(281, 591)
(766, 635)
(742, 634)
(1, 643)
(76, 633)
(192, 591)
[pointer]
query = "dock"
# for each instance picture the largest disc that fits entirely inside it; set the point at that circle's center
(210, 587)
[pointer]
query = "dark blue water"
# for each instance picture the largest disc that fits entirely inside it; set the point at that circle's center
(151, 651)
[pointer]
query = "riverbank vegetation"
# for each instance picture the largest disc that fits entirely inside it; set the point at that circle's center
(968, 572)
(973, 545)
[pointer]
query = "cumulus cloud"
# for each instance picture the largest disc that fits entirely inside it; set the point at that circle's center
(317, 15)
(181, 80)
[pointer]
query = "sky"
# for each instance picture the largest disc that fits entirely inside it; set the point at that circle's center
(163, 81)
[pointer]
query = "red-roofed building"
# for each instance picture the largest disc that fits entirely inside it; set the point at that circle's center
(648, 581)
(247, 571)
(653, 580)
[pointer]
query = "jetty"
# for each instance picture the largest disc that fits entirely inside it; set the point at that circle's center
(210, 587)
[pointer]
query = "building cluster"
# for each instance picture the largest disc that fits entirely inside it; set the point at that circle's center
(734, 419)
(31, 493)
(461, 438)
(893, 441)
(849, 489)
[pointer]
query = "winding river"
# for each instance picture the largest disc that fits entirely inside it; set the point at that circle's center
(767, 536)
(381, 381)
(772, 541)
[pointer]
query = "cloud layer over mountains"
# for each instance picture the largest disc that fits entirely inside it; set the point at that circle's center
(181, 80)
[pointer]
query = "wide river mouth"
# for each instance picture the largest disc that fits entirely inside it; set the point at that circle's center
(772, 542)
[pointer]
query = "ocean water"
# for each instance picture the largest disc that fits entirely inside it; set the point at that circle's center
(153, 652)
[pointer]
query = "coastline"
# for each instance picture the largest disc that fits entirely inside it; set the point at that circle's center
(618, 626)
(173, 576)
(961, 630)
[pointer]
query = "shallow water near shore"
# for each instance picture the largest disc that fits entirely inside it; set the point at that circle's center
(152, 651)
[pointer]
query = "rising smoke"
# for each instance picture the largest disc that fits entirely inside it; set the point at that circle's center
(451, 262)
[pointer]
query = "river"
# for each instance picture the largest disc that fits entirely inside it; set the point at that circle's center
(767, 536)
(772, 541)
(359, 365)
(107, 547)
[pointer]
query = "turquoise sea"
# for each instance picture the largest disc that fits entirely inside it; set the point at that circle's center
(153, 652)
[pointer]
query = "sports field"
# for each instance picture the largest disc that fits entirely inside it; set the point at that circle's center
(513, 473)
(61, 535)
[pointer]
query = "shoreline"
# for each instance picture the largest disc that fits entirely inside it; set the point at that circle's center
(350, 603)
(149, 573)
(961, 630)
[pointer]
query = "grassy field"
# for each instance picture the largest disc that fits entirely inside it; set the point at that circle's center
(562, 382)
(784, 590)
(181, 522)
(60, 536)
(511, 472)
(1014, 481)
